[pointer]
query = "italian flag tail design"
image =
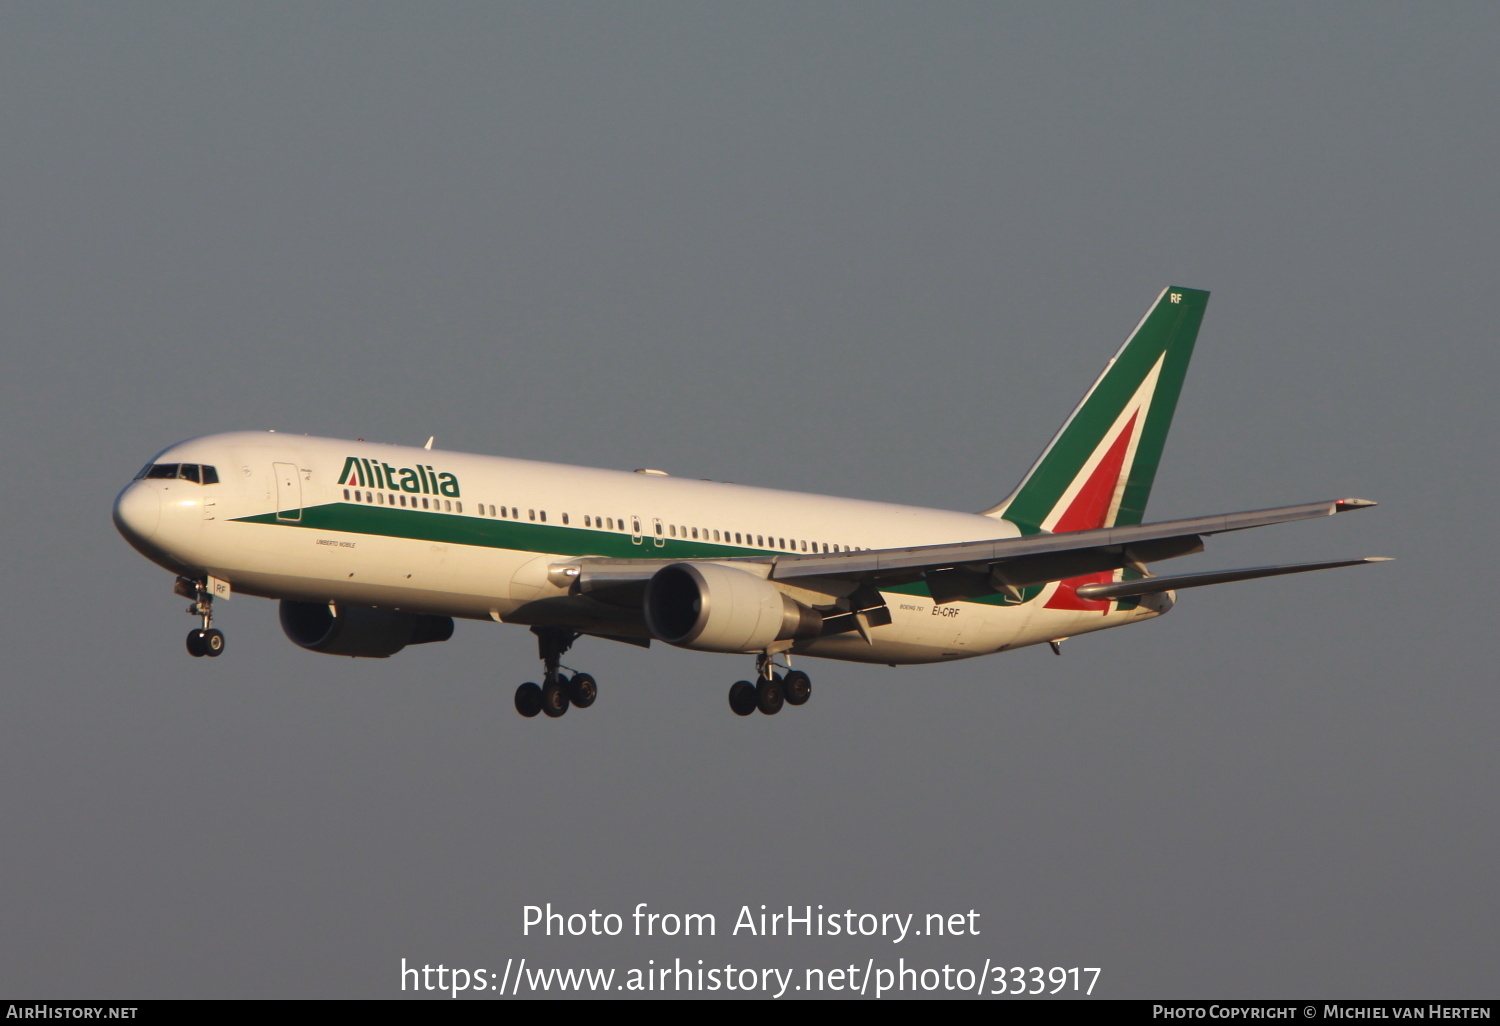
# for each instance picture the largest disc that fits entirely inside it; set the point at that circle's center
(1098, 470)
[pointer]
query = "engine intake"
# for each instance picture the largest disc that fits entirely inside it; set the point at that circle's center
(715, 608)
(358, 631)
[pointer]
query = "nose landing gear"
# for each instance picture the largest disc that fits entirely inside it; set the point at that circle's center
(206, 640)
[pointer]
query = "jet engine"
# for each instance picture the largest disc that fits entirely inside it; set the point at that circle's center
(359, 631)
(715, 608)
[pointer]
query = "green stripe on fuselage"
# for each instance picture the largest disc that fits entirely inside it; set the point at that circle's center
(551, 539)
(451, 529)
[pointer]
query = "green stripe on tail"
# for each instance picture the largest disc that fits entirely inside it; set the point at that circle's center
(1098, 470)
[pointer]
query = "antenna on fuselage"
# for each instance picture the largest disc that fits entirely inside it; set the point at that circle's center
(430, 440)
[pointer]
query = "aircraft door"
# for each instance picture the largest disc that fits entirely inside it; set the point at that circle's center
(635, 530)
(288, 492)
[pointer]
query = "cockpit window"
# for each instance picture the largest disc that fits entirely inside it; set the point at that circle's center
(196, 472)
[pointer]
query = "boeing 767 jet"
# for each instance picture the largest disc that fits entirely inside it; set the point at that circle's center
(370, 548)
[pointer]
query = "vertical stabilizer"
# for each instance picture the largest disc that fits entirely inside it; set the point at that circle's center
(1097, 471)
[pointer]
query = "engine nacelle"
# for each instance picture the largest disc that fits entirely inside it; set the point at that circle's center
(358, 631)
(714, 608)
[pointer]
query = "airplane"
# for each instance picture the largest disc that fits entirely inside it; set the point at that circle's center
(370, 547)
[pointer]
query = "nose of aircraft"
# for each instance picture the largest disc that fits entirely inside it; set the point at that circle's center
(138, 512)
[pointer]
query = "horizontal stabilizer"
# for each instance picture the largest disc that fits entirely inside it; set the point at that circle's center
(1149, 585)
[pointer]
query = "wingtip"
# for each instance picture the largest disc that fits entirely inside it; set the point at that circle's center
(1379, 559)
(1345, 505)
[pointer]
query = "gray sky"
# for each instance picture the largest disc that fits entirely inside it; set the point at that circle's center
(874, 250)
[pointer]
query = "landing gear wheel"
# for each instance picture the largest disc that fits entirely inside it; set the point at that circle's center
(528, 700)
(195, 643)
(742, 698)
(769, 696)
(797, 686)
(582, 690)
(213, 642)
(555, 697)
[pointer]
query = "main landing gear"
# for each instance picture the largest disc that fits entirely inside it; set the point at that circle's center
(770, 691)
(206, 640)
(557, 691)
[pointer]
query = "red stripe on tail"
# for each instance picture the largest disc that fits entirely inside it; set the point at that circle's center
(1089, 509)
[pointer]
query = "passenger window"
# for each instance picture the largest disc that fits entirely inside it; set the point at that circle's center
(424, 501)
(369, 497)
(544, 516)
(565, 518)
(210, 475)
(695, 534)
(346, 493)
(531, 513)
(674, 530)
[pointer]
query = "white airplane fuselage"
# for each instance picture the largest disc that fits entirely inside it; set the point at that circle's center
(359, 524)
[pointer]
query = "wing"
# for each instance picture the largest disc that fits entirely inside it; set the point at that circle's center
(973, 569)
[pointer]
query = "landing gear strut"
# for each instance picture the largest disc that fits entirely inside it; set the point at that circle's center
(206, 640)
(770, 690)
(557, 691)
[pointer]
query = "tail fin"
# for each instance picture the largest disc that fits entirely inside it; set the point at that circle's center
(1098, 470)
